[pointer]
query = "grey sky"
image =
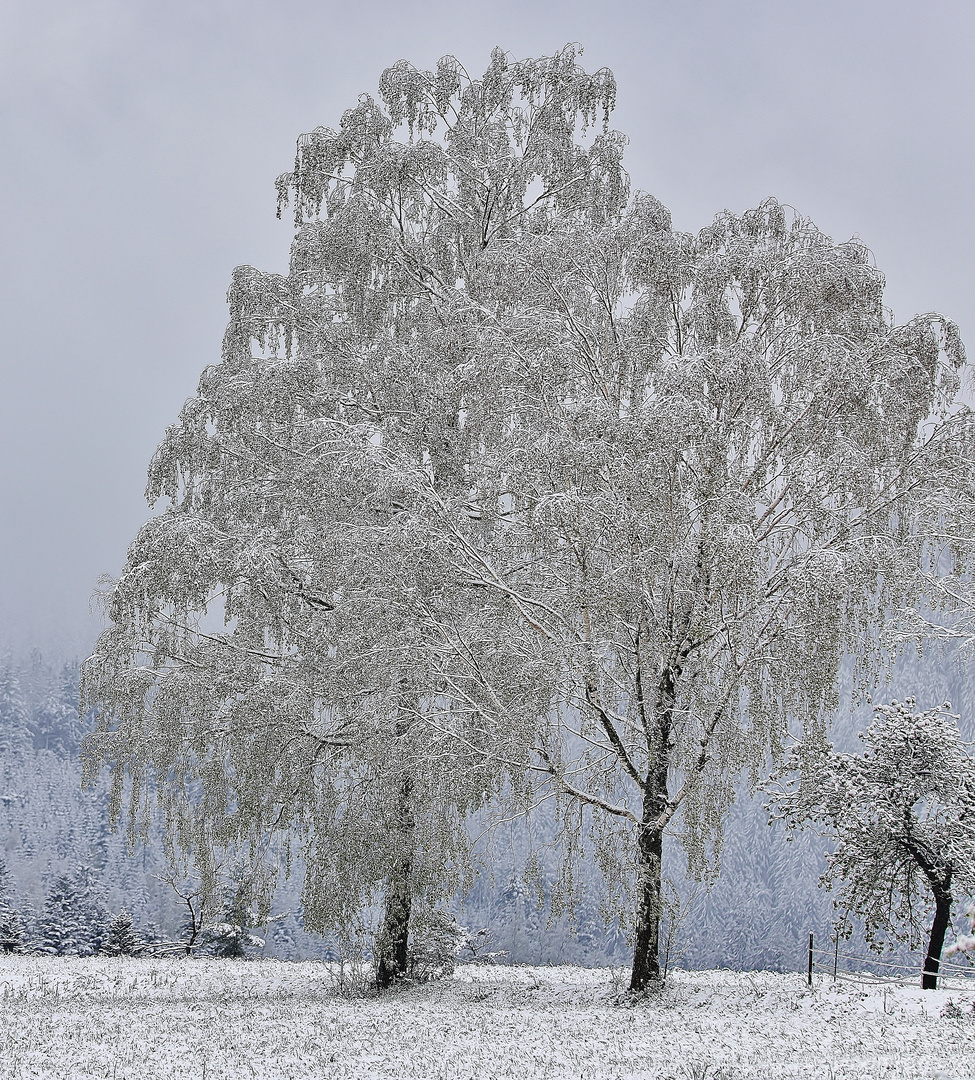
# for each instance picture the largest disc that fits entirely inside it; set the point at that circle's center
(139, 143)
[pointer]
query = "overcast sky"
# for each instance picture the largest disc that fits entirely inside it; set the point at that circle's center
(139, 143)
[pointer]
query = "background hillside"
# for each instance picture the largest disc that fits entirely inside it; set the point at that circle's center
(757, 915)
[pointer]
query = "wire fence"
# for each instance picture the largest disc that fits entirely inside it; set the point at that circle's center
(952, 974)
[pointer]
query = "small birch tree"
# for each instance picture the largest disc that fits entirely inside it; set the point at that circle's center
(902, 815)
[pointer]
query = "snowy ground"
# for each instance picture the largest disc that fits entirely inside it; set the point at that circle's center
(210, 1019)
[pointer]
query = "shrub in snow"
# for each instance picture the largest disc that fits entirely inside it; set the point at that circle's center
(435, 938)
(475, 948)
(438, 942)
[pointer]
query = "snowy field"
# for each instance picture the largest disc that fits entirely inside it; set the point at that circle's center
(141, 1019)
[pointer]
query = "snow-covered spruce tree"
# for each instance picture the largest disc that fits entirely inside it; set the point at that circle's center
(121, 937)
(13, 932)
(312, 714)
(231, 940)
(14, 728)
(230, 934)
(902, 815)
(714, 477)
(73, 921)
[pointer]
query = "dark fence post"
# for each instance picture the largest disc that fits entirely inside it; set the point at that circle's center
(809, 969)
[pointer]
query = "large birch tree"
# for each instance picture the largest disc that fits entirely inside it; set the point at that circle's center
(717, 483)
(715, 479)
(290, 508)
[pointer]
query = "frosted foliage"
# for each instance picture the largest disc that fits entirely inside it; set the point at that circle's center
(291, 506)
(902, 816)
(950, 524)
(508, 480)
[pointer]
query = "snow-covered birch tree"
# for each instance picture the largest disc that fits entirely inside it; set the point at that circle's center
(902, 816)
(712, 482)
(292, 512)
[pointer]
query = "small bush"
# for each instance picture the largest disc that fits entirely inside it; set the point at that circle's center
(438, 942)
(951, 1010)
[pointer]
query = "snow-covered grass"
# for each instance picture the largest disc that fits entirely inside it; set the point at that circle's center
(195, 1019)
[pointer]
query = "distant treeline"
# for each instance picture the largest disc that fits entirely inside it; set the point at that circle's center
(69, 885)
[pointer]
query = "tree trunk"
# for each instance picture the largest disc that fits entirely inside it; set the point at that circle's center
(650, 840)
(650, 847)
(393, 941)
(942, 917)
(646, 947)
(394, 935)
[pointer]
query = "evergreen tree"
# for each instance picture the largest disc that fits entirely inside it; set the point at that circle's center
(74, 921)
(13, 710)
(13, 933)
(121, 937)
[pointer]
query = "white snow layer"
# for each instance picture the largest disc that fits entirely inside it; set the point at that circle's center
(69, 1017)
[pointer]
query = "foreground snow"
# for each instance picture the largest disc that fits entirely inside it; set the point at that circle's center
(67, 1017)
